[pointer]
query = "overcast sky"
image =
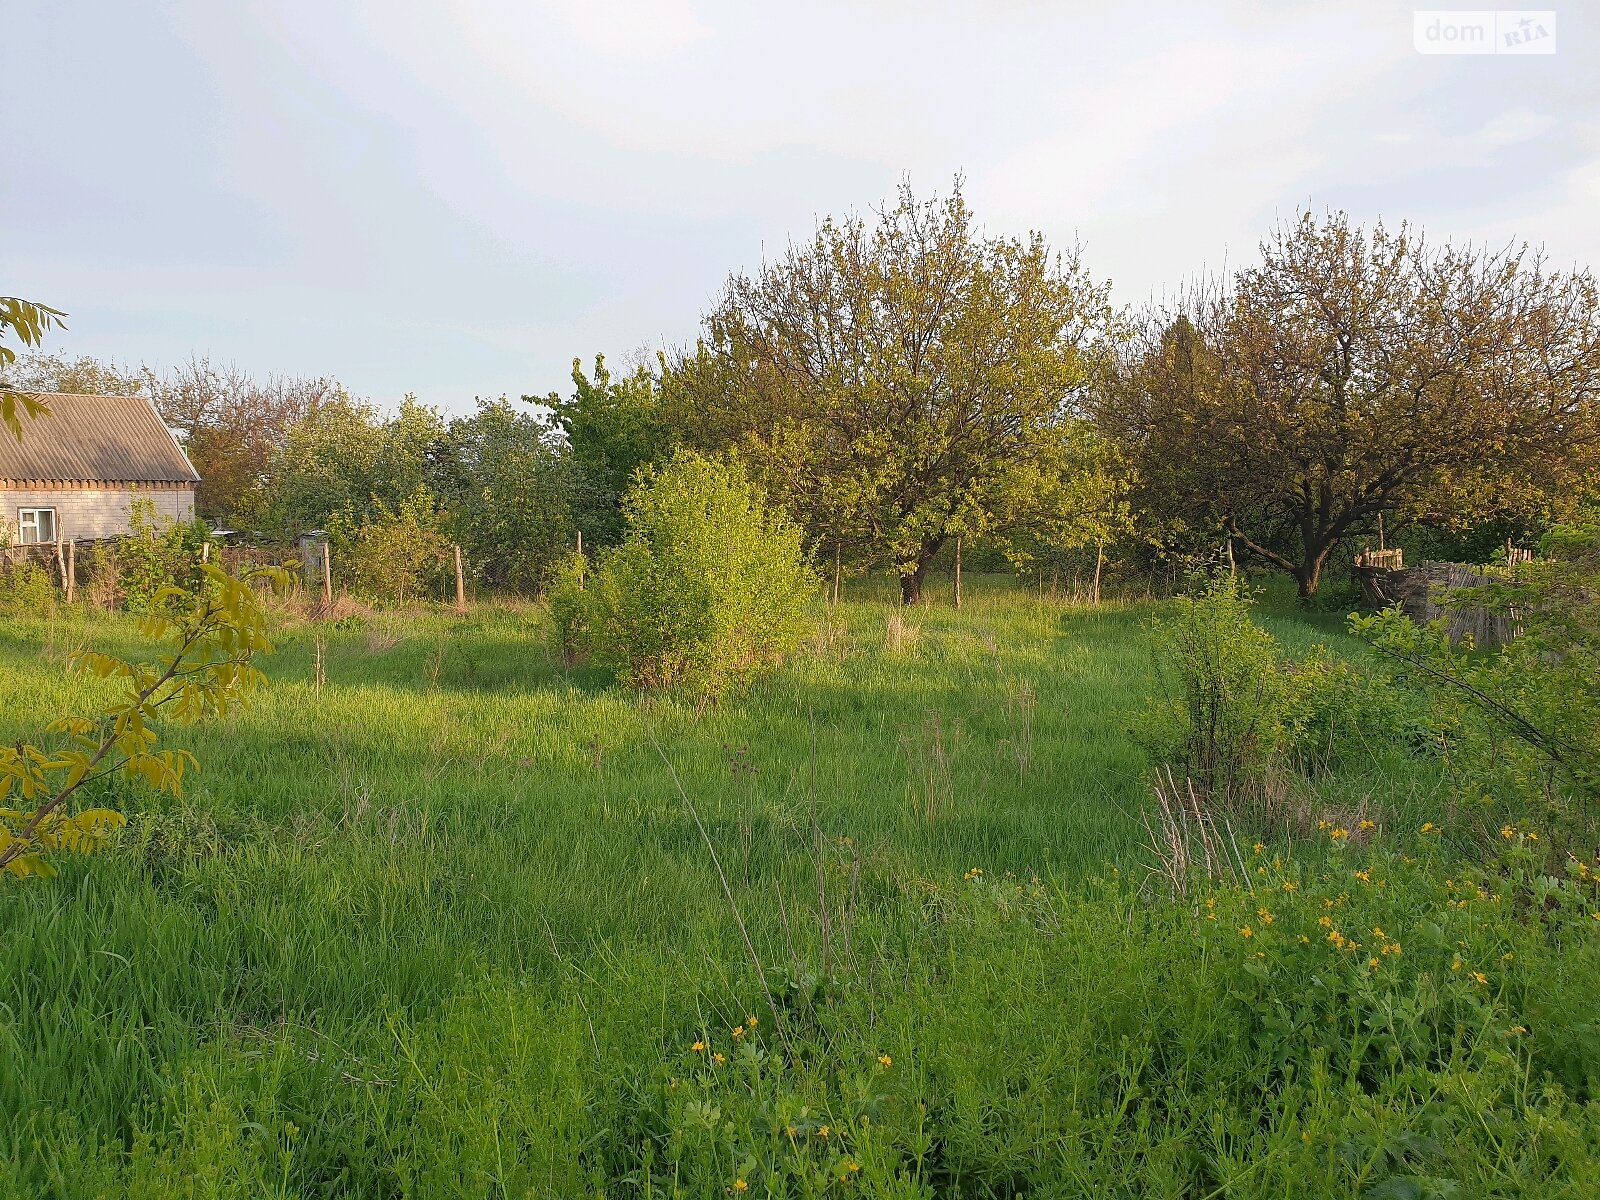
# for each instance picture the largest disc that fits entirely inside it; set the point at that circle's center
(457, 199)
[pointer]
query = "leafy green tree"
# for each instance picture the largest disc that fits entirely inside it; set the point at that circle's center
(232, 425)
(906, 382)
(344, 458)
(509, 488)
(391, 554)
(614, 426)
(28, 322)
(1351, 375)
(38, 371)
(328, 464)
(708, 588)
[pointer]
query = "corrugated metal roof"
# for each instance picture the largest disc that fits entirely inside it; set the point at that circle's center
(101, 439)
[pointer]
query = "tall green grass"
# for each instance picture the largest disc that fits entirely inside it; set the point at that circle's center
(443, 926)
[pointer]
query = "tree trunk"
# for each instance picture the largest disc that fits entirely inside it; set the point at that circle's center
(911, 583)
(1308, 574)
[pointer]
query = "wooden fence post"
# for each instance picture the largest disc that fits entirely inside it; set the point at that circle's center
(461, 587)
(327, 577)
(580, 560)
(837, 570)
(958, 570)
(72, 569)
(1099, 562)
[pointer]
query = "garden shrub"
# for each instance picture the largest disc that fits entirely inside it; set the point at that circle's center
(26, 590)
(708, 588)
(393, 554)
(1235, 710)
(158, 553)
(1339, 713)
(1222, 713)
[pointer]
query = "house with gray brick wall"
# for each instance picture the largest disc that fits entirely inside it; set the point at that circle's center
(76, 471)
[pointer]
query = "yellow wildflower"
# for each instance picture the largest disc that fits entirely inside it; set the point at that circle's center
(1246, 931)
(822, 1132)
(1368, 825)
(885, 1061)
(1259, 847)
(1507, 832)
(1372, 962)
(1479, 978)
(751, 1021)
(698, 1047)
(719, 1058)
(1429, 827)
(740, 1185)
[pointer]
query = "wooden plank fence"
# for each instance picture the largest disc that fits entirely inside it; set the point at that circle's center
(1418, 592)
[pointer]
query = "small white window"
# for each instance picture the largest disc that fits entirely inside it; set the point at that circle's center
(36, 525)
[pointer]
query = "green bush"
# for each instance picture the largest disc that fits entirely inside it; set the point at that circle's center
(1340, 714)
(708, 587)
(394, 554)
(1222, 712)
(1234, 709)
(26, 590)
(157, 553)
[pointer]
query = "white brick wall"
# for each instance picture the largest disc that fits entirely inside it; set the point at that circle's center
(85, 513)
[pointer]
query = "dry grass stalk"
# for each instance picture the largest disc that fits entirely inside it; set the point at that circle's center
(1189, 840)
(900, 634)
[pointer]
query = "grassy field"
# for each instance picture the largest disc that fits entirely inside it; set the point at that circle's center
(445, 926)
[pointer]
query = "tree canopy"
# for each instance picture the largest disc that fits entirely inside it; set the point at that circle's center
(1352, 374)
(903, 382)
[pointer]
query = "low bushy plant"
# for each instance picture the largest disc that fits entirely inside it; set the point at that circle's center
(158, 553)
(394, 554)
(1221, 715)
(1235, 710)
(26, 590)
(708, 588)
